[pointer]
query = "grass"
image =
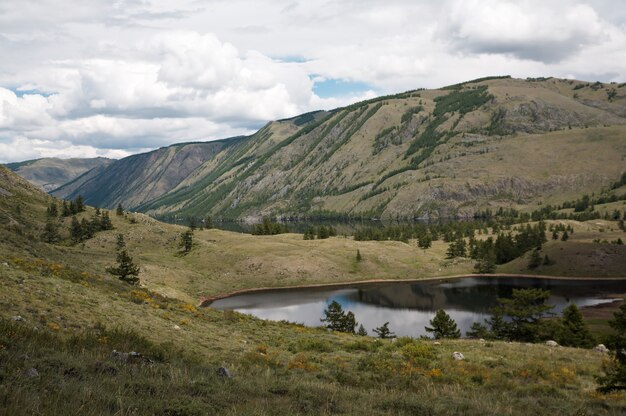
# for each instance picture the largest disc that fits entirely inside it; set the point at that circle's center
(74, 316)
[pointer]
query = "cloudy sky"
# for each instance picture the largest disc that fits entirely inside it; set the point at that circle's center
(86, 78)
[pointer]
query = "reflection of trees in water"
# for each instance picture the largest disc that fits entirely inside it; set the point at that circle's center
(478, 295)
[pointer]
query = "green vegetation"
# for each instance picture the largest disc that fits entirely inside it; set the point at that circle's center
(338, 320)
(443, 326)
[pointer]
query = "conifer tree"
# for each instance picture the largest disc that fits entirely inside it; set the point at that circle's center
(126, 269)
(105, 221)
(424, 240)
(50, 232)
(76, 231)
(362, 331)
(478, 330)
(443, 326)
(120, 244)
(119, 210)
(358, 256)
(575, 332)
(615, 377)
(338, 320)
(208, 222)
(384, 332)
(65, 209)
(186, 241)
(53, 210)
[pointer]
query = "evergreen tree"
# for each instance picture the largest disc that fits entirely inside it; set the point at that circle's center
(615, 377)
(50, 232)
(555, 235)
(524, 309)
(105, 222)
(53, 210)
(126, 269)
(119, 210)
(65, 211)
(76, 231)
(186, 240)
(457, 248)
(443, 326)
(208, 222)
(487, 263)
(574, 331)
(362, 331)
(79, 202)
(338, 320)
(192, 223)
(322, 232)
(565, 236)
(424, 240)
(120, 244)
(535, 259)
(358, 256)
(384, 332)
(478, 330)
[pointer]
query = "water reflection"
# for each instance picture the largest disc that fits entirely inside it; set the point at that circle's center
(408, 307)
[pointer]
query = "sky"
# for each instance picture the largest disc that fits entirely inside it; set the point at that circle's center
(87, 78)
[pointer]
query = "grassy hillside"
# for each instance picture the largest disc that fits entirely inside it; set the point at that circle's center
(73, 315)
(428, 153)
(51, 173)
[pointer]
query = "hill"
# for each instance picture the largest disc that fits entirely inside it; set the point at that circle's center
(426, 153)
(51, 173)
(67, 328)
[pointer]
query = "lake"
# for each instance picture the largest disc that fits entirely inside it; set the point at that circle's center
(408, 306)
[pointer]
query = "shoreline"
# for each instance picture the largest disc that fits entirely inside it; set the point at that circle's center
(206, 301)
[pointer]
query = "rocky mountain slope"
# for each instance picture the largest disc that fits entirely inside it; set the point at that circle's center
(51, 173)
(425, 153)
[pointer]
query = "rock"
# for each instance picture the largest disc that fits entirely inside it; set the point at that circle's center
(601, 348)
(436, 343)
(176, 327)
(552, 343)
(481, 340)
(223, 372)
(31, 372)
(5, 264)
(17, 318)
(130, 357)
(458, 356)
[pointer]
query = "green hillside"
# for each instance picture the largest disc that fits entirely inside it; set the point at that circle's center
(67, 327)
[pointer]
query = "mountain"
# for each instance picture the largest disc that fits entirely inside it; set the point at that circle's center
(50, 173)
(492, 142)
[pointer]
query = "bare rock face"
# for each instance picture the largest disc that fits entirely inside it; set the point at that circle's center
(458, 356)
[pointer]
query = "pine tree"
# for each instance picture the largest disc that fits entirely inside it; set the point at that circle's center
(535, 259)
(565, 236)
(53, 210)
(457, 248)
(186, 240)
(362, 331)
(79, 202)
(50, 232)
(338, 320)
(119, 210)
(615, 378)
(424, 240)
(65, 209)
(120, 244)
(105, 222)
(575, 332)
(384, 332)
(192, 223)
(126, 269)
(487, 263)
(208, 222)
(478, 330)
(443, 326)
(76, 231)
(524, 309)
(88, 229)
(358, 256)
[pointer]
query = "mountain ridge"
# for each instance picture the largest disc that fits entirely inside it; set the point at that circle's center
(448, 152)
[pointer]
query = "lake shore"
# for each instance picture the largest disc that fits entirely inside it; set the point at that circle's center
(208, 300)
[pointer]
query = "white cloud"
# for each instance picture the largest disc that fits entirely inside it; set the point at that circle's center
(138, 74)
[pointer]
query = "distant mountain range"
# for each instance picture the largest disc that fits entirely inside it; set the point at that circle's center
(445, 152)
(50, 173)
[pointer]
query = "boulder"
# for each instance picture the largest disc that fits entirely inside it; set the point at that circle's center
(31, 372)
(17, 318)
(552, 343)
(458, 356)
(176, 327)
(601, 348)
(223, 372)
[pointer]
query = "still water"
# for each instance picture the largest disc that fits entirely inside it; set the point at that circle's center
(408, 307)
